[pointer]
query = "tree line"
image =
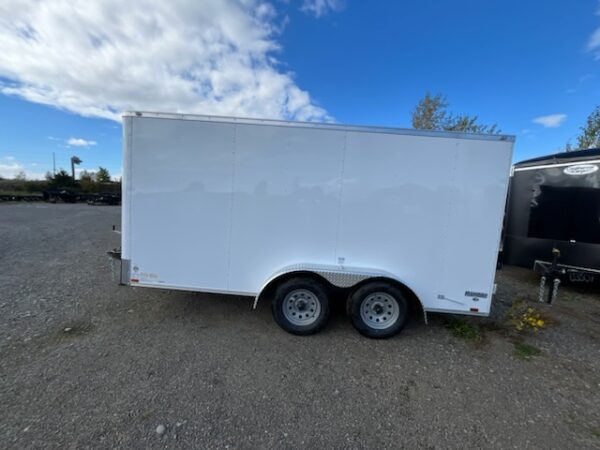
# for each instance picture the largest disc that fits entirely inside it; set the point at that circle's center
(88, 182)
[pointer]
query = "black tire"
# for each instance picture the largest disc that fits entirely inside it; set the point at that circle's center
(291, 294)
(384, 306)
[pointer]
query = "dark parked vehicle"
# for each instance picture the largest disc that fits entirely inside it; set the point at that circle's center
(64, 195)
(553, 213)
(105, 198)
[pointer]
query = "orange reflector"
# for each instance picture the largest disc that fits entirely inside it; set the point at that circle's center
(474, 309)
(135, 280)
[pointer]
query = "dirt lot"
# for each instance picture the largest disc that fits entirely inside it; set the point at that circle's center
(85, 363)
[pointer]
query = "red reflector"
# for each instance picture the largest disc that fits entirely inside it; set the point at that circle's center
(474, 309)
(135, 280)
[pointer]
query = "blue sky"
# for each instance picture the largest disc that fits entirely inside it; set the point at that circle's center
(65, 75)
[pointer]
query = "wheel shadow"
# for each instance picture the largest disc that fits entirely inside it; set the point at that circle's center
(178, 308)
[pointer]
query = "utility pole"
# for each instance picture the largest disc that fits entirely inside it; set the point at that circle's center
(53, 163)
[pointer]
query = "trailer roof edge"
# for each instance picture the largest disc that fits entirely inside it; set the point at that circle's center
(324, 126)
(561, 157)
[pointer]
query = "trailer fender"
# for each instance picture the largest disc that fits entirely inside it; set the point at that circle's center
(338, 276)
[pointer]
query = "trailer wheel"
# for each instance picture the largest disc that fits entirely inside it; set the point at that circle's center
(301, 306)
(378, 310)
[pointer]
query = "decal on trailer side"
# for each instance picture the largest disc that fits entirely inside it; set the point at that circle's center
(580, 169)
(475, 294)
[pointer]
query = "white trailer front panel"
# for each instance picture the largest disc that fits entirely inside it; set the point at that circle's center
(220, 204)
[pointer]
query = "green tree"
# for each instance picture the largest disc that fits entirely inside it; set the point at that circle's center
(84, 175)
(61, 179)
(590, 133)
(431, 113)
(102, 176)
(87, 181)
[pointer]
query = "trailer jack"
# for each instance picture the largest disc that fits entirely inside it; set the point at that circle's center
(552, 291)
(551, 275)
(115, 258)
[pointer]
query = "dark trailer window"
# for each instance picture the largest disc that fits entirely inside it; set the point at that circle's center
(566, 214)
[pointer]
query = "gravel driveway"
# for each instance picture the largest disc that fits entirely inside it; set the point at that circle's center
(85, 363)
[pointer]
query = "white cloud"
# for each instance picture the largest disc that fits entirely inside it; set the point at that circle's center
(593, 44)
(10, 168)
(78, 142)
(321, 7)
(99, 58)
(551, 120)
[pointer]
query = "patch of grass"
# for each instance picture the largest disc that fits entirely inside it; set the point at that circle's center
(526, 351)
(523, 316)
(464, 330)
(493, 326)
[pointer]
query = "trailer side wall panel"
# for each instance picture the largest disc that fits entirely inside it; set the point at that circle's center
(223, 204)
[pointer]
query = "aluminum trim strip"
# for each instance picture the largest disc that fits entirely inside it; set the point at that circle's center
(192, 289)
(545, 166)
(339, 276)
(322, 126)
(453, 311)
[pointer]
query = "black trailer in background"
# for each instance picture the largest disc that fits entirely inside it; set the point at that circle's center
(554, 203)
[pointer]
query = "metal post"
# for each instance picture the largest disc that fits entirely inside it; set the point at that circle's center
(555, 285)
(542, 289)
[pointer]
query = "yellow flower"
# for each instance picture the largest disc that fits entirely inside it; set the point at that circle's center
(540, 323)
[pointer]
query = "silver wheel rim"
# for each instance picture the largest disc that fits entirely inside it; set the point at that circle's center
(379, 310)
(301, 307)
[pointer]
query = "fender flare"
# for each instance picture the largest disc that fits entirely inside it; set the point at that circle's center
(339, 276)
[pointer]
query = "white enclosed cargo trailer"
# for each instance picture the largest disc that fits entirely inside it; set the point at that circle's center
(286, 210)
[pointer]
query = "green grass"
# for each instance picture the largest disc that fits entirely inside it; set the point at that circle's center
(464, 330)
(525, 351)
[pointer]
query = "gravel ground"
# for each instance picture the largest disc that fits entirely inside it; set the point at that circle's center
(85, 363)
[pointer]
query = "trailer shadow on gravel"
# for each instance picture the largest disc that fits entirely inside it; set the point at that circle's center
(517, 294)
(222, 310)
